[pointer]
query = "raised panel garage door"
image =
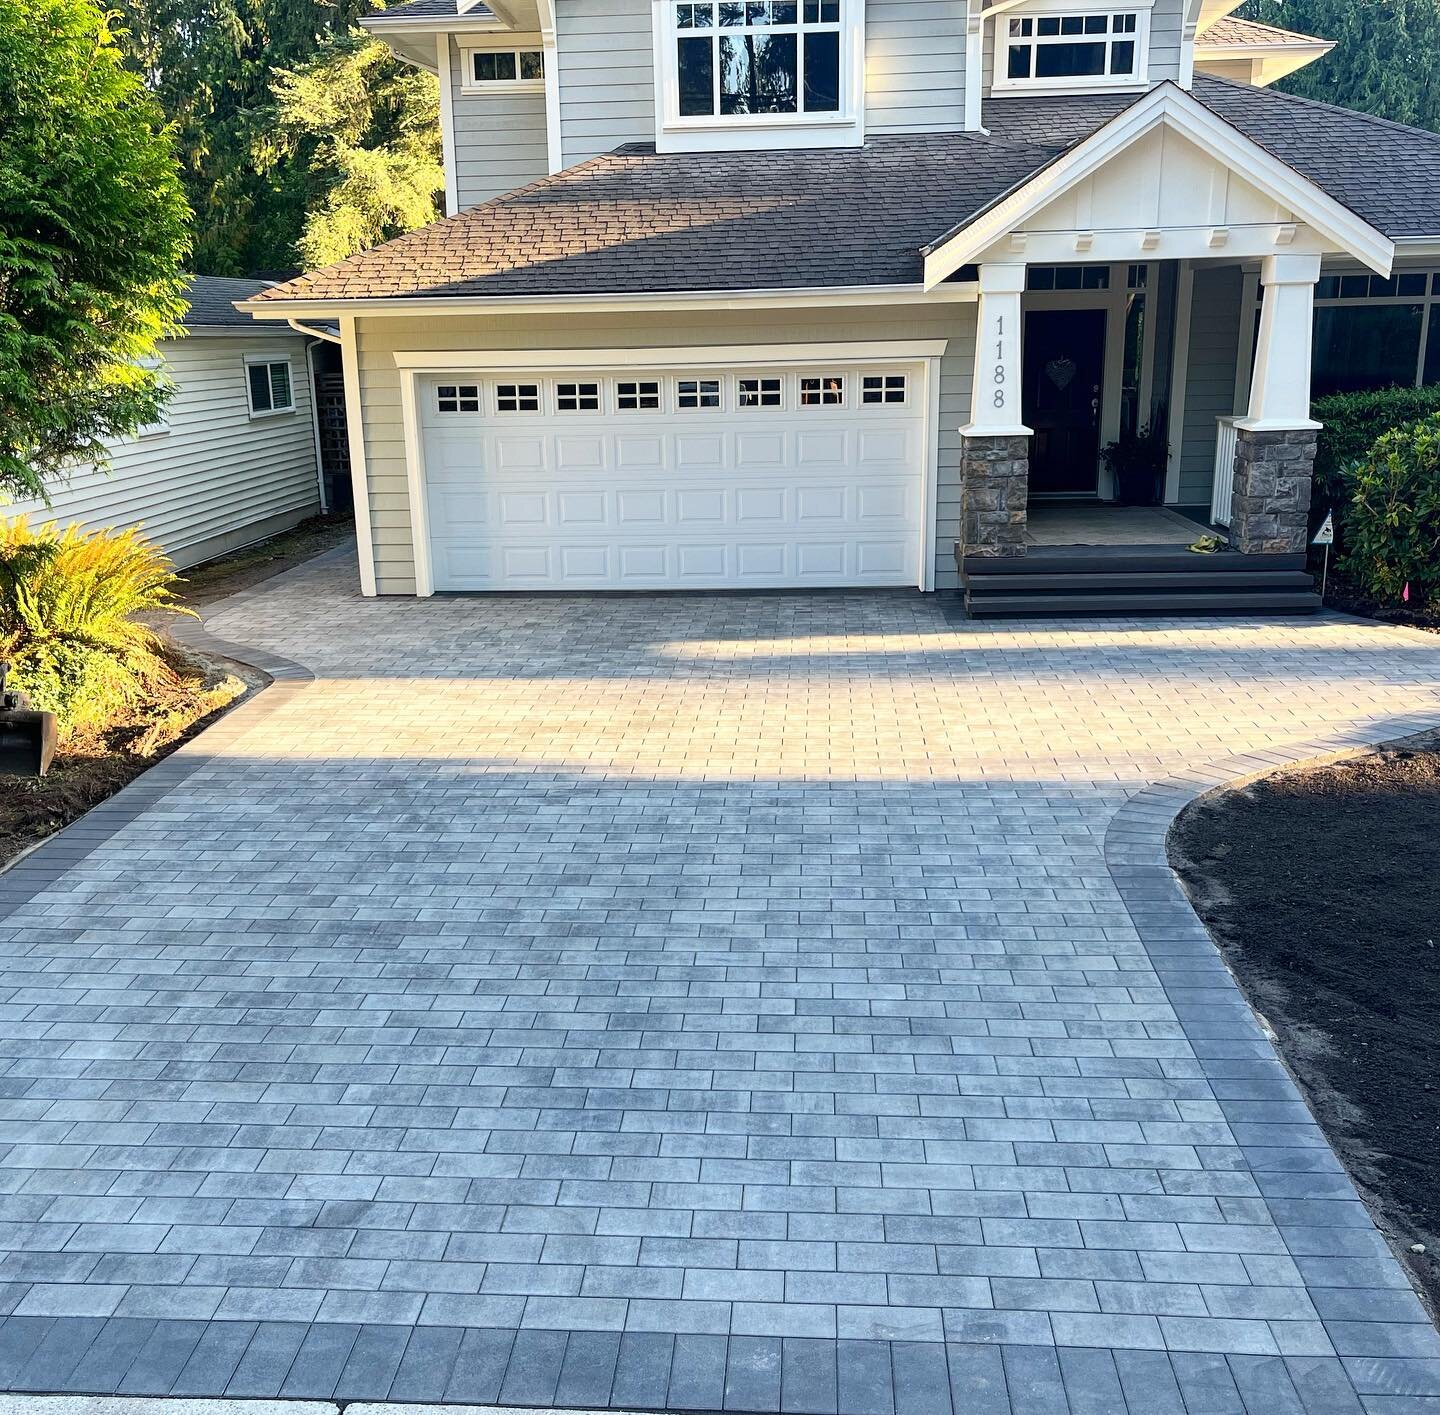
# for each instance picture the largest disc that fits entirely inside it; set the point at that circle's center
(675, 480)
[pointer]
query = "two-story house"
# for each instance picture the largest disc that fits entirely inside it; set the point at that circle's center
(778, 293)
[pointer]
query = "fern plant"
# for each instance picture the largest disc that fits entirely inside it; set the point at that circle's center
(71, 616)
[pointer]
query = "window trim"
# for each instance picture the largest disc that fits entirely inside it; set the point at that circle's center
(581, 390)
(519, 383)
(1001, 83)
(461, 396)
(638, 384)
(470, 84)
(849, 115)
(722, 386)
(269, 360)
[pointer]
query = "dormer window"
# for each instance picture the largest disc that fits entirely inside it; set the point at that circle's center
(758, 61)
(1073, 47)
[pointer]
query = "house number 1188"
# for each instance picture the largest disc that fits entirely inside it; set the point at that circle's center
(1000, 364)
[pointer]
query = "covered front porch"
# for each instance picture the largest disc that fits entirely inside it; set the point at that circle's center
(1127, 399)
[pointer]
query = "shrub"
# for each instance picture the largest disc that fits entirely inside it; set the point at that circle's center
(70, 603)
(1352, 422)
(1393, 519)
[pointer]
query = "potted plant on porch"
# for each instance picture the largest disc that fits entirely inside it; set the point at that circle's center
(1137, 462)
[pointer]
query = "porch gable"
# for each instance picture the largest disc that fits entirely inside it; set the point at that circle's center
(1165, 179)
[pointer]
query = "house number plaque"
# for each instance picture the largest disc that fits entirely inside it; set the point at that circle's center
(1000, 366)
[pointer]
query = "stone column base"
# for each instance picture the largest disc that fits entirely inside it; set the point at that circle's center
(994, 487)
(1270, 510)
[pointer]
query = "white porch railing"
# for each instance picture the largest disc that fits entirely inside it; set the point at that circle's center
(1223, 487)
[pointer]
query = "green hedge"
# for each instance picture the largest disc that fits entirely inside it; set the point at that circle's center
(1392, 524)
(1352, 422)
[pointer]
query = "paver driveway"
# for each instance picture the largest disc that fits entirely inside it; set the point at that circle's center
(683, 1003)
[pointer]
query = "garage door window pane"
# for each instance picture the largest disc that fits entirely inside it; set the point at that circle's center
(826, 391)
(639, 396)
(517, 397)
(698, 393)
(883, 388)
(458, 398)
(759, 392)
(577, 397)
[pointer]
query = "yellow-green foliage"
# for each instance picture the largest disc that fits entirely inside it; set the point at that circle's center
(70, 625)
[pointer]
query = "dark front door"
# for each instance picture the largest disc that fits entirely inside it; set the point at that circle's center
(1064, 366)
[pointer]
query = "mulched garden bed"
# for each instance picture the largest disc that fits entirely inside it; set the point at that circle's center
(91, 766)
(1322, 888)
(1350, 599)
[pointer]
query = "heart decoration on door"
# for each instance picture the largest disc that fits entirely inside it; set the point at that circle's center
(1061, 371)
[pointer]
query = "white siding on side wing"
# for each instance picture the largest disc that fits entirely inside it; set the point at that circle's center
(607, 75)
(218, 479)
(499, 136)
(1210, 377)
(378, 340)
(914, 66)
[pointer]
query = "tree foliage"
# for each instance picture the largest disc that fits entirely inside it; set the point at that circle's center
(1386, 58)
(93, 232)
(372, 130)
(254, 167)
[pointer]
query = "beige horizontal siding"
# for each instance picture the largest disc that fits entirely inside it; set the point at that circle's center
(378, 340)
(217, 473)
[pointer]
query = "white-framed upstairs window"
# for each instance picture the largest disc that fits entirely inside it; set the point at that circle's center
(269, 386)
(742, 64)
(1064, 47)
(502, 70)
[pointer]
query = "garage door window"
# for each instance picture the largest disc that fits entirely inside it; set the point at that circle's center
(577, 397)
(642, 395)
(517, 397)
(698, 393)
(827, 391)
(883, 388)
(458, 398)
(760, 393)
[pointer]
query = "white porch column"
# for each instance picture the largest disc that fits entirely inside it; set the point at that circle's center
(995, 456)
(1275, 441)
(995, 392)
(1280, 387)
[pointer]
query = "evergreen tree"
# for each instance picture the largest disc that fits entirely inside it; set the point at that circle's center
(1386, 58)
(213, 65)
(371, 127)
(93, 232)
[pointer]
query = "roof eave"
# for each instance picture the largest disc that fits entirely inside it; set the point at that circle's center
(605, 301)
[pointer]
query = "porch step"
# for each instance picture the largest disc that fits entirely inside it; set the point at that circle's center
(1135, 581)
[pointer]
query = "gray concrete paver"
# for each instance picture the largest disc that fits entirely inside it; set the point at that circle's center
(702, 1000)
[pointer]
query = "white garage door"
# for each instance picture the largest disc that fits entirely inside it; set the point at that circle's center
(677, 479)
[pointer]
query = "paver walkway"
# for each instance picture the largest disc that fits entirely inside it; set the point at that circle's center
(687, 1002)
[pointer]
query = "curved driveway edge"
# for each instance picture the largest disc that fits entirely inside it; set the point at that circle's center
(47, 861)
(1379, 1328)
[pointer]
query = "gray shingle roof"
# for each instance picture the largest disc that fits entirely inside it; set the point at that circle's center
(1227, 30)
(430, 10)
(635, 221)
(212, 302)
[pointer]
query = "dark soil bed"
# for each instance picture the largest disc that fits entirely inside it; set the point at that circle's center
(1350, 599)
(91, 766)
(1322, 888)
